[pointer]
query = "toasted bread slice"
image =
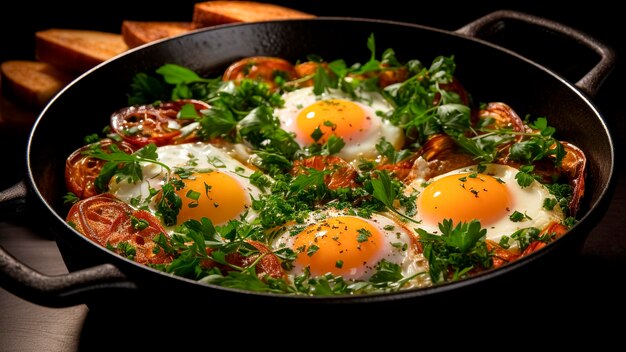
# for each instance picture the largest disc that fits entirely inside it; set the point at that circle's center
(32, 83)
(77, 50)
(139, 33)
(14, 117)
(211, 13)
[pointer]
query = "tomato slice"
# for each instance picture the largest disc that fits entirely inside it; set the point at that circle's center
(82, 170)
(107, 221)
(454, 87)
(262, 68)
(342, 173)
(268, 265)
(145, 124)
(555, 228)
(501, 256)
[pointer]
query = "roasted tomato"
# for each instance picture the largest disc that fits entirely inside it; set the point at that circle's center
(260, 68)
(268, 265)
(308, 69)
(555, 228)
(402, 169)
(442, 155)
(503, 117)
(342, 174)
(453, 87)
(81, 170)
(108, 221)
(501, 256)
(145, 124)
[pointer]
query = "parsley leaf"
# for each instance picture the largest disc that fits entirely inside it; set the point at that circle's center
(146, 89)
(322, 81)
(333, 145)
(393, 156)
(516, 216)
(524, 177)
(138, 224)
(124, 248)
(386, 272)
(386, 191)
(458, 250)
(262, 129)
(70, 198)
(526, 236)
(363, 235)
(122, 165)
(170, 203)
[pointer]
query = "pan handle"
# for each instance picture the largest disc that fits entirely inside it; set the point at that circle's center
(13, 198)
(590, 82)
(61, 290)
(53, 291)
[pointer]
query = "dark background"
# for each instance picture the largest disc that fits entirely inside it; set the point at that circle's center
(603, 259)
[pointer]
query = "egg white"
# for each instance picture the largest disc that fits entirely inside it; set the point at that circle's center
(369, 102)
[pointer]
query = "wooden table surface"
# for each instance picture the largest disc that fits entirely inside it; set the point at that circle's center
(595, 284)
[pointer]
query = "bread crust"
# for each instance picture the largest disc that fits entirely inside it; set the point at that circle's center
(32, 83)
(211, 13)
(137, 33)
(77, 50)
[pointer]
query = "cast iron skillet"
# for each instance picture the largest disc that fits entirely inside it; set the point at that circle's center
(489, 72)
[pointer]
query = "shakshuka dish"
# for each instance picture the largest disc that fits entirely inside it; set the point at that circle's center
(322, 177)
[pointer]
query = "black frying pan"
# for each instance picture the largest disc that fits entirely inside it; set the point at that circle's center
(489, 72)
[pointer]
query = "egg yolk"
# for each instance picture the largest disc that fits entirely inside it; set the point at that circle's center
(464, 197)
(337, 117)
(343, 245)
(214, 195)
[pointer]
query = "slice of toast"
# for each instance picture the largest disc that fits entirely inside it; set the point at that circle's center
(77, 50)
(211, 13)
(32, 83)
(138, 33)
(15, 118)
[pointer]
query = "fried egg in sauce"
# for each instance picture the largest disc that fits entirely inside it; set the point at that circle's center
(216, 185)
(335, 113)
(490, 197)
(332, 241)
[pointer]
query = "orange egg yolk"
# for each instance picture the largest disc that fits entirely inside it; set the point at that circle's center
(342, 245)
(464, 197)
(214, 195)
(337, 117)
